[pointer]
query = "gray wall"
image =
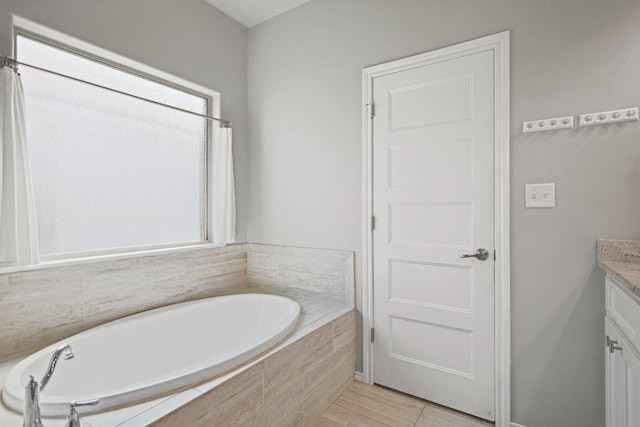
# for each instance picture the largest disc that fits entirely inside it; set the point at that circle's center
(304, 161)
(187, 38)
(568, 57)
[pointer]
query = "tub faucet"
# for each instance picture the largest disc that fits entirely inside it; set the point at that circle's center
(68, 354)
(31, 413)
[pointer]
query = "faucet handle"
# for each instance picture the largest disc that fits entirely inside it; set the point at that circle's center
(91, 402)
(73, 420)
(31, 413)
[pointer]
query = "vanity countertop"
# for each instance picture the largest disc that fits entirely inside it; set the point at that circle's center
(621, 260)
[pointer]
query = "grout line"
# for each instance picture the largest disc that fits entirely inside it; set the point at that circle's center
(420, 416)
(183, 266)
(262, 375)
(346, 409)
(84, 300)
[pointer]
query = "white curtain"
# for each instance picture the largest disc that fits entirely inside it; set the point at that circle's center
(223, 204)
(18, 228)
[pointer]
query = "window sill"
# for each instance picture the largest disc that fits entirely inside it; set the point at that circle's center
(107, 257)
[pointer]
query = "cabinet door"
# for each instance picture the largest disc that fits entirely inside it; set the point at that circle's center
(614, 379)
(631, 372)
(622, 380)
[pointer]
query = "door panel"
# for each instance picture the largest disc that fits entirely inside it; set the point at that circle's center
(436, 285)
(433, 198)
(456, 357)
(414, 163)
(431, 224)
(454, 106)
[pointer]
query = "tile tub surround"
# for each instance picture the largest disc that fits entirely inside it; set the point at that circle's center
(327, 272)
(621, 259)
(44, 305)
(69, 299)
(313, 361)
(290, 387)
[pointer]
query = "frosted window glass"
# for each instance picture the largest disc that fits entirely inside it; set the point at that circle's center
(110, 171)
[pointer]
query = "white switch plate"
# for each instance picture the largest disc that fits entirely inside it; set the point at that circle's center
(540, 195)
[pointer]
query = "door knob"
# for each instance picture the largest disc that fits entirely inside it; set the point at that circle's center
(481, 254)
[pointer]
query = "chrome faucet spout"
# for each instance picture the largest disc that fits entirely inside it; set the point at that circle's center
(31, 414)
(68, 354)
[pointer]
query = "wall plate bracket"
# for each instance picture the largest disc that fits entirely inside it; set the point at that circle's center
(608, 117)
(548, 124)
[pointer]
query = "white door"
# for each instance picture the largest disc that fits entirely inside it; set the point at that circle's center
(433, 200)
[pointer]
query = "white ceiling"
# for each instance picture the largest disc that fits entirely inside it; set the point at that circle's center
(252, 12)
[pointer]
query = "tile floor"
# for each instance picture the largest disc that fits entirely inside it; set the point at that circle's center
(362, 405)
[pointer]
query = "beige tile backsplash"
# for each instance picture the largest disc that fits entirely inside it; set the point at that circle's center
(324, 271)
(40, 307)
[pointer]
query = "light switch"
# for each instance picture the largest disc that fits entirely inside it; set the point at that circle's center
(540, 195)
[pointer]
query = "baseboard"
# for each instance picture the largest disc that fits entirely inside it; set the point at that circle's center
(516, 425)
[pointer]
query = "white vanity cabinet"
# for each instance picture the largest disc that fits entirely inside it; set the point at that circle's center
(622, 358)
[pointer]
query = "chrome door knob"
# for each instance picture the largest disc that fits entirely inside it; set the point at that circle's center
(481, 254)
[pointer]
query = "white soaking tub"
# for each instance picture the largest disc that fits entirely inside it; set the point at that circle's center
(152, 353)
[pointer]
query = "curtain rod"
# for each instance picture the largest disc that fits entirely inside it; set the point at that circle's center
(6, 61)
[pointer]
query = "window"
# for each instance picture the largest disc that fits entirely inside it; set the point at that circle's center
(111, 172)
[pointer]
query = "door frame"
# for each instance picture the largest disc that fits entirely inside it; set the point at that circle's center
(499, 43)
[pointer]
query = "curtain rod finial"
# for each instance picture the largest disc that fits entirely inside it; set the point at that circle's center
(5, 61)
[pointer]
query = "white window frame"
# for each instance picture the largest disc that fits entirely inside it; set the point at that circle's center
(25, 27)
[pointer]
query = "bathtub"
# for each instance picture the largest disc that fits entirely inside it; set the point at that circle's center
(155, 352)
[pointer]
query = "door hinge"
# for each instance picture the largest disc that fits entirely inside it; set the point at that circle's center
(373, 223)
(372, 109)
(373, 336)
(494, 255)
